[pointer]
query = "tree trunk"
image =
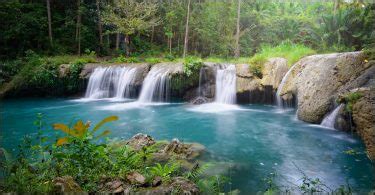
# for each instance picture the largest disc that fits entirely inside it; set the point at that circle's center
(78, 27)
(117, 41)
(187, 30)
(126, 44)
(99, 23)
(336, 6)
(49, 22)
(152, 33)
(170, 45)
(237, 44)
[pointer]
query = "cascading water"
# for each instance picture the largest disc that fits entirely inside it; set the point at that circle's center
(106, 82)
(279, 100)
(226, 85)
(155, 87)
(329, 120)
(202, 79)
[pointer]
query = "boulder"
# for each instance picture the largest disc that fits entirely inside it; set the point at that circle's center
(274, 71)
(63, 70)
(138, 141)
(136, 178)
(364, 119)
(156, 181)
(114, 187)
(316, 79)
(178, 185)
(184, 151)
(200, 100)
(66, 184)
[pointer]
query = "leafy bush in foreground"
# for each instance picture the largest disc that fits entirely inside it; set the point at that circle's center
(84, 156)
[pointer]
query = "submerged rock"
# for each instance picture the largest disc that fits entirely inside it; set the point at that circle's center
(200, 100)
(138, 141)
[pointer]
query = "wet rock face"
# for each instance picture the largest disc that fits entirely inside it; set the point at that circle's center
(364, 119)
(138, 141)
(251, 89)
(316, 79)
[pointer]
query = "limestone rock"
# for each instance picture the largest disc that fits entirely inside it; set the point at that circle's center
(66, 184)
(138, 141)
(364, 119)
(200, 100)
(178, 185)
(274, 71)
(316, 79)
(156, 181)
(136, 178)
(115, 186)
(242, 70)
(184, 151)
(63, 70)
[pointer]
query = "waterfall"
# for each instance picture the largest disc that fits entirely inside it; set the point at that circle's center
(202, 79)
(106, 82)
(155, 87)
(279, 100)
(226, 85)
(330, 119)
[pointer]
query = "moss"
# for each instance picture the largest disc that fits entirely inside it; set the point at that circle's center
(181, 82)
(350, 99)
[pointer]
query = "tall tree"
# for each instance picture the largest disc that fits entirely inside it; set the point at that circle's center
(100, 28)
(187, 29)
(237, 43)
(49, 22)
(129, 17)
(78, 27)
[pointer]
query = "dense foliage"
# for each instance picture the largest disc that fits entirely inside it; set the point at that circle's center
(150, 27)
(83, 154)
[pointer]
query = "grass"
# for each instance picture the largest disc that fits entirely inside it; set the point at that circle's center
(291, 52)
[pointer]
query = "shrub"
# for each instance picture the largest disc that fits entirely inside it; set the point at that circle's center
(288, 50)
(124, 59)
(350, 99)
(192, 64)
(153, 60)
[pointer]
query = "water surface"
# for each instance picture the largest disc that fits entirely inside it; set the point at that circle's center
(248, 141)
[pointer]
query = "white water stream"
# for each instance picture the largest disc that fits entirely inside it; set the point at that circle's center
(111, 82)
(226, 85)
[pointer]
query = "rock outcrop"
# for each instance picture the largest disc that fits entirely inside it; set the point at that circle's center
(66, 184)
(251, 89)
(364, 118)
(274, 71)
(316, 79)
(138, 141)
(178, 185)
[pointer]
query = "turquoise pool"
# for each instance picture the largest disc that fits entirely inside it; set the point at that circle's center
(249, 142)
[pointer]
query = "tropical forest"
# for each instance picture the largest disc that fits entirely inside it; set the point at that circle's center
(230, 97)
